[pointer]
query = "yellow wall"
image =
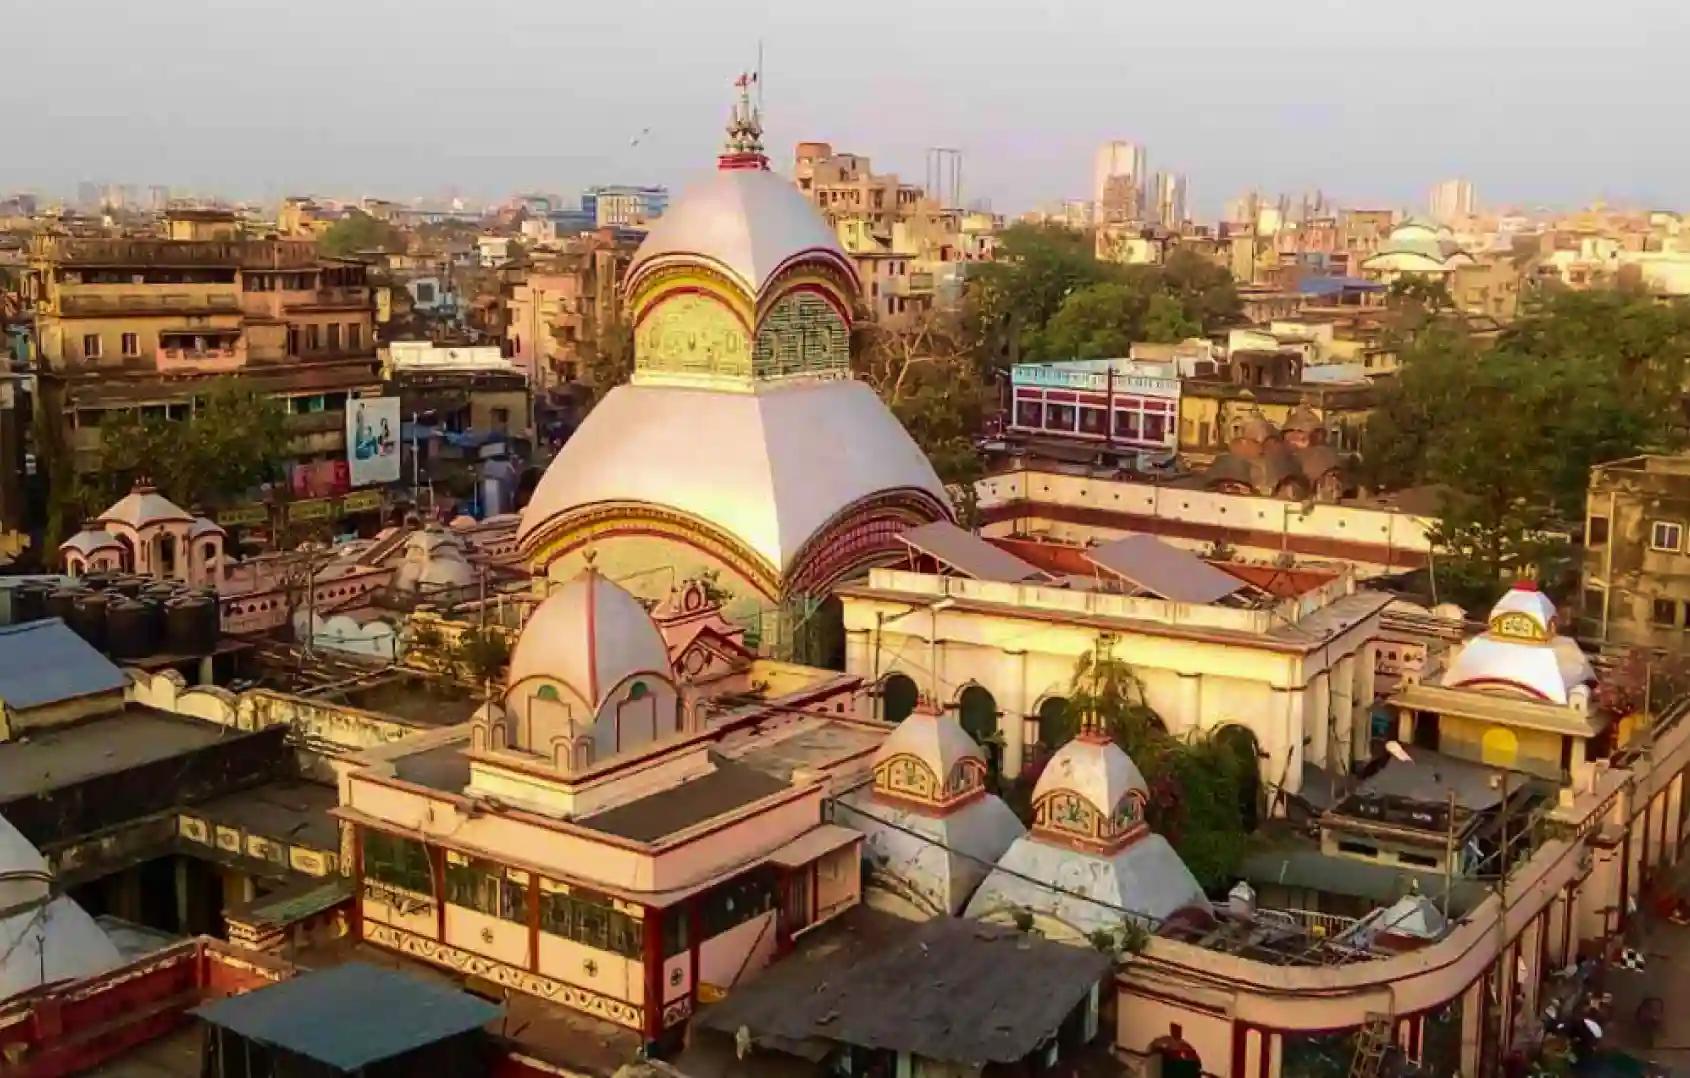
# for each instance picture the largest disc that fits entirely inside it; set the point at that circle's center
(1536, 751)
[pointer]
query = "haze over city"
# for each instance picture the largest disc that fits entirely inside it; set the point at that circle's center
(1535, 102)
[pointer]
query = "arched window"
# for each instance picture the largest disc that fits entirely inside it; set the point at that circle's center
(897, 697)
(547, 692)
(978, 711)
(1055, 727)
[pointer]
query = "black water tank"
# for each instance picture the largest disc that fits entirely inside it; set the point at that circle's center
(99, 581)
(61, 603)
(88, 618)
(129, 629)
(129, 584)
(185, 622)
(29, 603)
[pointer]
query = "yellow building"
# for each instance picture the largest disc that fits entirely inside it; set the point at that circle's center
(144, 323)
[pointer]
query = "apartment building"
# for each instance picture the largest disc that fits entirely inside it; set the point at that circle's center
(1636, 570)
(145, 323)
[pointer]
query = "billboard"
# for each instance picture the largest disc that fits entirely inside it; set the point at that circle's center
(372, 440)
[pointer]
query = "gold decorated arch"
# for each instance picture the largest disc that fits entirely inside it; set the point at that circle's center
(570, 531)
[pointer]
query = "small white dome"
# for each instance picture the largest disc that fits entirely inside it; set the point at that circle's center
(592, 636)
(935, 740)
(89, 540)
(1097, 771)
(433, 559)
(203, 526)
(143, 506)
(42, 939)
(1525, 598)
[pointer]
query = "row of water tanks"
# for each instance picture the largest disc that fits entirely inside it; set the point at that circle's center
(125, 616)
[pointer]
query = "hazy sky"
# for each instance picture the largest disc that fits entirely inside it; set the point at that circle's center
(1534, 100)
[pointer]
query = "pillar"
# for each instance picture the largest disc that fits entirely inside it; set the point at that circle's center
(182, 869)
(1011, 693)
(1344, 707)
(859, 653)
(1318, 719)
(1190, 715)
(1282, 740)
(1472, 1026)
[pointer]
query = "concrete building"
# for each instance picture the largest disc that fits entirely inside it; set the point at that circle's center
(1294, 671)
(1452, 201)
(1119, 182)
(621, 205)
(1636, 571)
(124, 324)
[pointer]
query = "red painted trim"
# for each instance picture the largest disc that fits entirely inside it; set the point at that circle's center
(695, 927)
(437, 870)
(534, 922)
(811, 288)
(652, 946)
(693, 290)
(592, 643)
(1508, 682)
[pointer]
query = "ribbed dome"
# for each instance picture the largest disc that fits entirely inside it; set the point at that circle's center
(747, 222)
(1095, 769)
(782, 462)
(937, 741)
(591, 636)
(42, 939)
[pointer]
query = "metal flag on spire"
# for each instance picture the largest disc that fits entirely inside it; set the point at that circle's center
(743, 148)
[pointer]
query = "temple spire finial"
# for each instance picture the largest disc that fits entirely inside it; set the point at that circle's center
(743, 147)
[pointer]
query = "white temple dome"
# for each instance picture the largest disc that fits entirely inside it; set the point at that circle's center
(42, 939)
(748, 222)
(143, 506)
(1520, 652)
(433, 559)
(591, 636)
(782, 462)
(1095, 769)
(936, 741)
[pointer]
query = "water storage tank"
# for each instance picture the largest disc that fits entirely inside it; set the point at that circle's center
(29, 603)
(129, 584)
(88, 618)
(185, 625)
(61, 603)
(129, 629)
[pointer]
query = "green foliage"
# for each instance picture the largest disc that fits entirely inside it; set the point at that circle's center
(236, 439)
(1511, 430)
(481, 653)
(1047, 298)
(1195, 784)
(358, 231)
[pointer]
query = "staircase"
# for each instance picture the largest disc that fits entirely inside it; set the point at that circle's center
(1373, 1044)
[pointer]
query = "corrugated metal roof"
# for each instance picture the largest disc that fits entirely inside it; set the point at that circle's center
(969, 554)
(350, 1016)
(43, 662)
(1166, 571)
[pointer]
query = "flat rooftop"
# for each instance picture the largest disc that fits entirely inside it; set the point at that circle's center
(444, 767)
(415, 698)
(293, 810)
(731, 786)
(60, 756)
(815, 745)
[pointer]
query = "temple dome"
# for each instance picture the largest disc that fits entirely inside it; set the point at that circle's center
(143, 506)
(783, 462)
(1097, 770)
(939, 743)
(749, 223)
(591, 636)
(43, 939)
(1521, 652)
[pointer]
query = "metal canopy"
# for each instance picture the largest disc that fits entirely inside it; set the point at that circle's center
(1165, 571)
(969, 554)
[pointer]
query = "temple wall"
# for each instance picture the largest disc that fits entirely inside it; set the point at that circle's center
(649, 566)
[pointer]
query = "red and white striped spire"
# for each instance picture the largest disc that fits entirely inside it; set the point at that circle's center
(743, 148)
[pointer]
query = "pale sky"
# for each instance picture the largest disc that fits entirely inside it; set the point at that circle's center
(1536, 101)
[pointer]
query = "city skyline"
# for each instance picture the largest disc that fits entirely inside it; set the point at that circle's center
(557, 99)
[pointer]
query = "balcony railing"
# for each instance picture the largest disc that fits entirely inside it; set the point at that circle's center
(118, 302)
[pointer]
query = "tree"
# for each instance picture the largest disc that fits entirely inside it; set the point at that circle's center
(358, 231)
(1195, 784)
(1098, 321)
(235, 439)
(1511, 430)
(481, 653)
(925, 372)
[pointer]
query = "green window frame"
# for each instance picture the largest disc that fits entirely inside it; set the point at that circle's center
(398, 862)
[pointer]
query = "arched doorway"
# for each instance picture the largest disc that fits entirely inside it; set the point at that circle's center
(1056, 727)
(977, 710)
(898, 694)
(1239, 740)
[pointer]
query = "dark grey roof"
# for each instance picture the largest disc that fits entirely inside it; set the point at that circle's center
(350, 1016)
(949, 990)
(732, 785)
(1167, 571)
(43, 662)
(1432, 777)
(969, 554)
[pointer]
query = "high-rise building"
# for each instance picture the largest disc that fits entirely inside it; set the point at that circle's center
(1122, 199)
(618, 204)
(1452, 200)
(1167, 199)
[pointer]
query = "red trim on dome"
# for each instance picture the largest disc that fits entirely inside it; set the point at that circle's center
(1468, 683)
(1526, 584)
(660, 294)
(730, 162)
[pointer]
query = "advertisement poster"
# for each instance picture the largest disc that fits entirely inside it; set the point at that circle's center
(372, 440)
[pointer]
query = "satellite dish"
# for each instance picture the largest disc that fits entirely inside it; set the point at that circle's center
(1397, 752)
